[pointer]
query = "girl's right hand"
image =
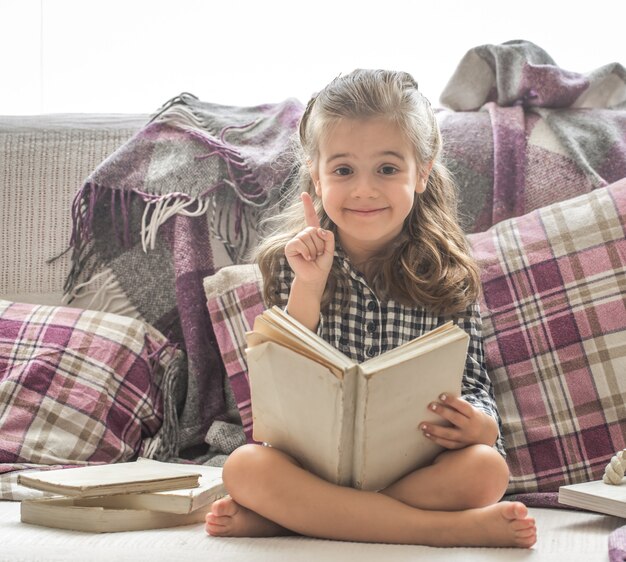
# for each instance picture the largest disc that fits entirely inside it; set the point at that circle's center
(310, 253)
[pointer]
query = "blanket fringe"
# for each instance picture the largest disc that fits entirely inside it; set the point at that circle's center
(178, 112)
(164, 444)
(158, 211)
(102, 292)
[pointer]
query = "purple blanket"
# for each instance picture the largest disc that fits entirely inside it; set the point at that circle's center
(197, 175)
(525, 133)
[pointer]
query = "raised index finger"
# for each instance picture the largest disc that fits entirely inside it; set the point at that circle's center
(310, 216)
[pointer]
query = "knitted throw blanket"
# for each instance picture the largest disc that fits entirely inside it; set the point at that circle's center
(197, 174)
(520, 124)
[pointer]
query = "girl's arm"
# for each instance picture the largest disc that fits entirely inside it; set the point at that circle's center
(310, 256)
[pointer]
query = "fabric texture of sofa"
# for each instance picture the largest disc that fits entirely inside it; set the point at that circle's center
(539, 155)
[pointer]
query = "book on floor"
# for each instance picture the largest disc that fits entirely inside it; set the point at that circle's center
(130, 511)
(352, 424)
(596, 496)
(78, 514)
(99, 480)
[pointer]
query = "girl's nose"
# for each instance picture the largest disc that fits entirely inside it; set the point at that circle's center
(363, 189)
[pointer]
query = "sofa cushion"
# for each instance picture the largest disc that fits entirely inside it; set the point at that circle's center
(554, 314)
(78, 386)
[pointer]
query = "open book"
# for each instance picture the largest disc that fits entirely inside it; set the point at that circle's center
(352, 424)
(129, 510)
(596, 496)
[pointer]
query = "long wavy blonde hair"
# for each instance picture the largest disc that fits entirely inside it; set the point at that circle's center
(429, 263)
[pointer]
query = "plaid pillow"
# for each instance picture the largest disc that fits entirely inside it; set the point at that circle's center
(234, 298)
(554, 318)
(76, 386)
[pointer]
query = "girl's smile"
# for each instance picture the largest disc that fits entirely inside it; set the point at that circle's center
(367, 212)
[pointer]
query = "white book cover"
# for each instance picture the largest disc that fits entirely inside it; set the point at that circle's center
(596, 496)
(76, 514)
(98, 480)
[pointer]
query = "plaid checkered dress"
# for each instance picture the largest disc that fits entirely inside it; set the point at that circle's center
(370, 327)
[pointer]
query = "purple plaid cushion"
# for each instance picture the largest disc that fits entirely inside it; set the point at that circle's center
(234, 298)
(554, 318)
(76, 386)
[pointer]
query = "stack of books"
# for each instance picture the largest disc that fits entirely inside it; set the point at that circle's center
(131, 496)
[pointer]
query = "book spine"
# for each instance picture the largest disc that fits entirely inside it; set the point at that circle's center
(358, 451)
(346, 438)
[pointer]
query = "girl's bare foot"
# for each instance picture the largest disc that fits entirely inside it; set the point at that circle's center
(229, 519)
(501, 524)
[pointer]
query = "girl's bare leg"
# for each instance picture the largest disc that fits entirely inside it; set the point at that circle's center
(270, 493)
(444, 484)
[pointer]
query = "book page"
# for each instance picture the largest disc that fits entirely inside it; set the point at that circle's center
(298, 407)
(596, 496)
(310, 339)
(391, 404)
(63, 513)
(279, 328)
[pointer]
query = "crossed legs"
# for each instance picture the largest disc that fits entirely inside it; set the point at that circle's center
(449, 503)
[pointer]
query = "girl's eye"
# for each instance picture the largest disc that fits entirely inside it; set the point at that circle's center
(389, 170)
(343, 171)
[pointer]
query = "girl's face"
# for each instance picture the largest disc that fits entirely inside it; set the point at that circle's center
(367, 177)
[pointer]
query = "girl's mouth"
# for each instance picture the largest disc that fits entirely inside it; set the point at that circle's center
(366, 212)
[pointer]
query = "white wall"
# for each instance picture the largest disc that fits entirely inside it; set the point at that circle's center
(132, 55)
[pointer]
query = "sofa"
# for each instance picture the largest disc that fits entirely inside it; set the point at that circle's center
(538, 154)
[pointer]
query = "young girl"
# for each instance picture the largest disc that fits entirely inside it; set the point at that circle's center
(370, 255)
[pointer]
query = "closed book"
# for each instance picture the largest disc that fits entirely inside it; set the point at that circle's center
(99, 480)
(77, 514)
(596, 496)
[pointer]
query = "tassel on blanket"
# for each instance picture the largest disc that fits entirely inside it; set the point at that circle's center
(193, 158)
(164, 445)
(102, 292)
(159, 211)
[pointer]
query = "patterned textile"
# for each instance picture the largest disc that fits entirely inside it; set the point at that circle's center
(370, 327)
(525, 133)
(554, 318)
(234, 300)
(79, 387)
(196, 174)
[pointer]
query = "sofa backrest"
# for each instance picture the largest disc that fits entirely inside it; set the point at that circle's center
(44, 160)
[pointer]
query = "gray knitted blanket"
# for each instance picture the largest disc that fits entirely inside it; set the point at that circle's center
(525, 133)
(198, 174)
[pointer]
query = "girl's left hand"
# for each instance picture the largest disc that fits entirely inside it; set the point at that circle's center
(469, 425)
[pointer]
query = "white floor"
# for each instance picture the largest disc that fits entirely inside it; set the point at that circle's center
(563, 535)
